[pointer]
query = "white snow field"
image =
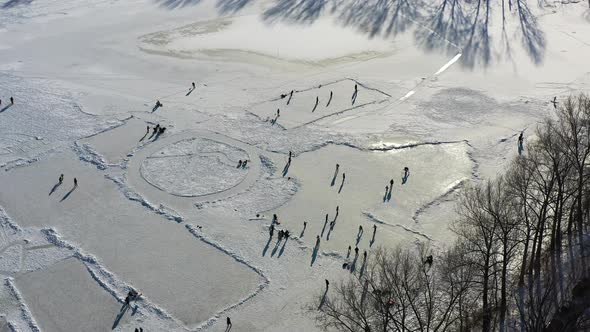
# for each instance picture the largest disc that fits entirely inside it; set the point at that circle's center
(172, 216)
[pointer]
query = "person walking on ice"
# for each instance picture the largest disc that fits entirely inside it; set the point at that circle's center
(75, 182)
(406, 175)
(11, 101)
(61, 179)
(194, 87)
(520, 143)
(327, 284)
(229, 324)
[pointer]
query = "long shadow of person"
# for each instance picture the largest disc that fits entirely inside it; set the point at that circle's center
(155, 108)
(358, 237)
(317, 100)
(354, 95)
(286, 168)
(302, 231)
(275, 119)
(405, 178)
(274, 250)
(153, 134)
(334, 178)
(189, 92)
(283, 247)
(353, 264)
(363, 268)
(144, 136)
(314, 254)
(389, 195)
(341, 185)
(324, 228)
(323, 300)
(120, 315)
(330, 99)
(5, 108)
(266, 246)
(54, 188)
(68, 194)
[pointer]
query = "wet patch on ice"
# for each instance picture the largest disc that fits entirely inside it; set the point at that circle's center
(435, 170)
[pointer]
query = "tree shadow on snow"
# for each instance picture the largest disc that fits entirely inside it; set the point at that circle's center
(14, 3)
(231, 6)
(175, 4)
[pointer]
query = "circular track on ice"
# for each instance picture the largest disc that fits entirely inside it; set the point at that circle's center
(193, 165)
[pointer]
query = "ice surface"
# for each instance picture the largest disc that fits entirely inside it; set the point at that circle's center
(128, 239)
(65, 297)
(229, 37)
(195, 167)
(194, 239)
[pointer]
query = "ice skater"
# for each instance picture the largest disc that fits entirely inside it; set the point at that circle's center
(348, 252)
(520, 143)
(271, 230)
(61, 179)
(75, 182)
(290, 96)
(554, 102)
(327, 284)
(353, 99)
(335, 175)
(325, 223)
(11, 101)
(356, 252)
(303, 230)
(244, 163)
(428, 260)
(342, 184)
(229, 324)
(194, 86)
(239, 163)
(317, 242)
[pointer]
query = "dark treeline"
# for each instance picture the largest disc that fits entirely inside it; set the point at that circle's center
(520, 259)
